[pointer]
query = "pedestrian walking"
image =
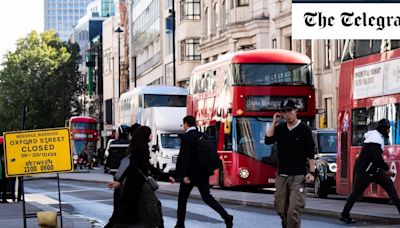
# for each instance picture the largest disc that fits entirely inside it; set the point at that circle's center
(370, 167)
(3, 179)
(188, 171)
(119, 177)
(295, 147)
(138, 205)
(114, 148)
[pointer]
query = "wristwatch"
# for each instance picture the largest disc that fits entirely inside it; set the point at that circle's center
(312, 173)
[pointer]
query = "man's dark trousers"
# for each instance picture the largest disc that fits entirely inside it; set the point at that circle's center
(361, 183)
(203, 186)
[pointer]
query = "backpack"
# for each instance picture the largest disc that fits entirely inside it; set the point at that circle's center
(207, 155)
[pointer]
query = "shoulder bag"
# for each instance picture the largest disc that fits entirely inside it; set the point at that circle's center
(150, 180)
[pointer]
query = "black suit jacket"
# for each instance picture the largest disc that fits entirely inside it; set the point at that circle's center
(186, 165)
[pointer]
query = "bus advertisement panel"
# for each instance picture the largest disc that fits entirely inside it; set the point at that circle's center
(234, 99)
(369, 90)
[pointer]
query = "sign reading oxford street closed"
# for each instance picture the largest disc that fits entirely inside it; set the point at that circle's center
(37, 151)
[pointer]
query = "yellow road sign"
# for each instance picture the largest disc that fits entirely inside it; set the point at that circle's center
(37, 151)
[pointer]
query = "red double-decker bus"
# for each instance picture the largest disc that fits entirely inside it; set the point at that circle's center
(369, 90)
(84, 136)
(234, 99)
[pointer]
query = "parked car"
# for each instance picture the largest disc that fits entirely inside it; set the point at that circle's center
(325, 162)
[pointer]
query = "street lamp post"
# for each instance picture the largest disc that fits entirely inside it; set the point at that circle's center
(119, 30)
(173, 44)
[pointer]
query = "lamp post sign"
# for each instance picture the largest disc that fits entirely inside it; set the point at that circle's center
(37, 151)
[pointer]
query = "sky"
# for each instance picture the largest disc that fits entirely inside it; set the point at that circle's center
(17, 19)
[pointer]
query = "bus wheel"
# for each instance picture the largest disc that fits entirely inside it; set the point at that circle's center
(320, 190)
(221, 177)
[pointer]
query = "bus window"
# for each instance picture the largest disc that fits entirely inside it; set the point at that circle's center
(269, 74)
(366, 47)
(227, 140)
(394, 44)
(366, 119)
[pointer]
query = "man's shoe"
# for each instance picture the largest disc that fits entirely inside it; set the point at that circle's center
(347, 219)
(229, 221)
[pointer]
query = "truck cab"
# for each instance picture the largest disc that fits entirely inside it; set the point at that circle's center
(165, 151)
(166, 127)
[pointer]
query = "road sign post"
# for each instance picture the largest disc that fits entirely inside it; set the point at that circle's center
(37, 152)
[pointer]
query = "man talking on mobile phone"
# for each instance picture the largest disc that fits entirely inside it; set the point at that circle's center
(295, 147)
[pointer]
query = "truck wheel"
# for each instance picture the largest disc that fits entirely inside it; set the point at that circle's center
(320, 190)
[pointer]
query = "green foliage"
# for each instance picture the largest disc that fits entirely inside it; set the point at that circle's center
(41, 74)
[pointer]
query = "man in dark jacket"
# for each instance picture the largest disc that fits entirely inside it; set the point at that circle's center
(295, 147)
(187, 170)
(370, 167)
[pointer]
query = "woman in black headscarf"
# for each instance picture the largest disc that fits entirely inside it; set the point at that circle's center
(118, 179)
(136, 196)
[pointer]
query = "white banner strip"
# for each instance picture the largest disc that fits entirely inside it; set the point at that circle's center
(345, 21)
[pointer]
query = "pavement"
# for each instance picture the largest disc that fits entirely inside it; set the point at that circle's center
(363, 211)
(11, 215)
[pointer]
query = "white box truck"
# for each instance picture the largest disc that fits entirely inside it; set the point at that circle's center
(166, 128)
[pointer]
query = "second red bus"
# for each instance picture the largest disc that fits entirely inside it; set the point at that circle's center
(234, 99)
(369, 90)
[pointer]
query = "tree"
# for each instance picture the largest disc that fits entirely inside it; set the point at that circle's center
(41, 75)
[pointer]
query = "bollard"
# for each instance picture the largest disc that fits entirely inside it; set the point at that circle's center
(47, 219)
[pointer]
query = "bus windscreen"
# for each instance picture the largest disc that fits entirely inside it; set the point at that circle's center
(249, 136)
(271, 74)
(156, 100)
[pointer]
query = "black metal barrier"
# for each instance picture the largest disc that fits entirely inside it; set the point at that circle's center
(34, 215)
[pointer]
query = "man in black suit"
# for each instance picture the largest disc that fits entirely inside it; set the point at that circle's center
(188, 171)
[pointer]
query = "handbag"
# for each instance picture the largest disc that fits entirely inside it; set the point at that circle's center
(150, 180)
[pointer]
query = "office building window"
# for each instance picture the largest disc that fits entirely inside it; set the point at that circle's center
(308, 49)
(190, 49)
(190, 9)
(242, 2)
(288, 43)
(215, 17)
(205, 25)
(327, 53)
(339, 49)
(274, 44)
(225, 15)
(109, 111)
(169, 74)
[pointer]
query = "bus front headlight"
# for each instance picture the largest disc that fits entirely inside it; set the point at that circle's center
(244, 173)
(332, 167)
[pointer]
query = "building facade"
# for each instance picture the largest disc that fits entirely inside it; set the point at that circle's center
(63, 15)
(206, 29)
